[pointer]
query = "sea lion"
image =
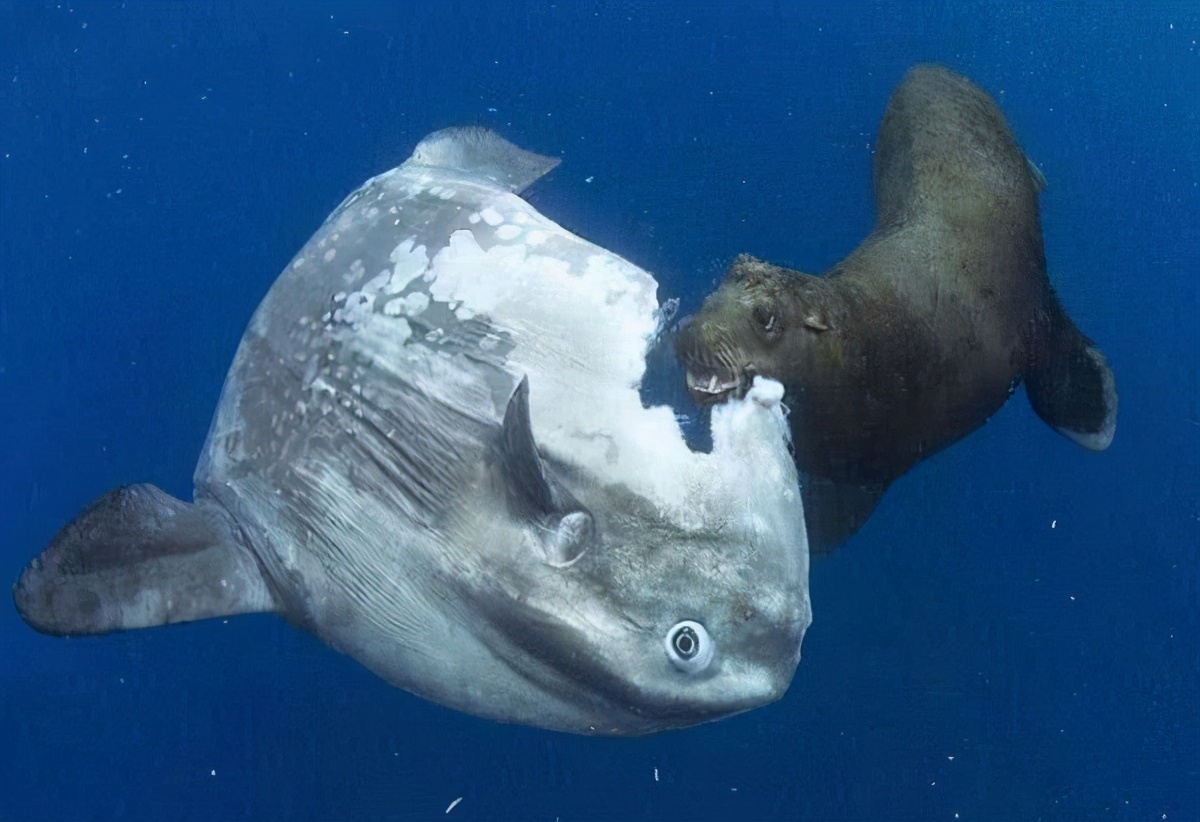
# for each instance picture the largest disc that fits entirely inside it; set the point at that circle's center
(924, 331)
(430, 452)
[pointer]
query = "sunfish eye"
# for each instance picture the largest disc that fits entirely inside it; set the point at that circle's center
(689, 647)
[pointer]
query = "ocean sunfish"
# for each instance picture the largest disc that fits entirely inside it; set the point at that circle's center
(431, 453)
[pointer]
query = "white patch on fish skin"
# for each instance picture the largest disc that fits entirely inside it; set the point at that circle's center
(508, 231)
(410, 305)
(355, 273)
(330, 254)
(416, 303)
(464, 314)
(408, 263)
(357, 309)
(536, 237)
(377, 283)
(491, 216)
(447, 193)
(400, 332)
(473, 217)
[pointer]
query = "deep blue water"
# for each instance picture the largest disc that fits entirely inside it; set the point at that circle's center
(1015, 634)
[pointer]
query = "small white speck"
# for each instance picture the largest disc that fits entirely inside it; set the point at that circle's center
(589, 179)
(453, 804)
(656, 774)
(1054, 523)
(212, 772)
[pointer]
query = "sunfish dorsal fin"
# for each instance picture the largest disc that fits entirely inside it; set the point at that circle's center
(135, 558)
(566, 528)
(482, 152)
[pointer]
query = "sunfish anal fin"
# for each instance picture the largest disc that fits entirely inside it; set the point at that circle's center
(135, 558)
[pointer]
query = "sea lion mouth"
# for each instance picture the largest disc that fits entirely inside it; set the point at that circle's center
(713, 388)
(717, 368)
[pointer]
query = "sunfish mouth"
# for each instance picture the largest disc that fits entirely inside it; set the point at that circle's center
(714, 388)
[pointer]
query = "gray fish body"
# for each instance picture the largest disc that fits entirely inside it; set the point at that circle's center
(430, 452)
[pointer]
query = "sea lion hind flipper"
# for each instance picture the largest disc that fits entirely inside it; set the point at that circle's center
(834, 511)
(135, 558)
(1071, 386)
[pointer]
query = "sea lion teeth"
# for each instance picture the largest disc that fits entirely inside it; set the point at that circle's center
(713, 386)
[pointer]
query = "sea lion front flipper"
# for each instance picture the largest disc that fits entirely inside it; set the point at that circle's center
(135, 558)
(834, 511)
(1070, 385)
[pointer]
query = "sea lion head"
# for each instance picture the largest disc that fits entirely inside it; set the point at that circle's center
(756, 323)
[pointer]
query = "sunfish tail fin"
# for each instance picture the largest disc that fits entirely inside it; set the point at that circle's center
(1070, 385)
(482, 152)
(135, 558)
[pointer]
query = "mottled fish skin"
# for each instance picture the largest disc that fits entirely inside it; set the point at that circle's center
(431, 445)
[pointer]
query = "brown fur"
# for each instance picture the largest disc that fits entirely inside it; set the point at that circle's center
(923, 332)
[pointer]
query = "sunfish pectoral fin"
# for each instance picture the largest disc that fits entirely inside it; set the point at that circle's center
(483, 153)
(564, 527)
(135, 558)
(1071, 386)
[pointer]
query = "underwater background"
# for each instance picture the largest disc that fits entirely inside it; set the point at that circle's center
(1015, 634)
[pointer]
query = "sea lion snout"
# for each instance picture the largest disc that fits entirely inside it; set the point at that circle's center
(717, 365)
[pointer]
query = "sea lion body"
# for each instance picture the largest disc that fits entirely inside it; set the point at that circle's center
(924, 331)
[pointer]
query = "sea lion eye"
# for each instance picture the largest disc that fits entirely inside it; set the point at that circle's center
(689, 647)
(766, 320)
